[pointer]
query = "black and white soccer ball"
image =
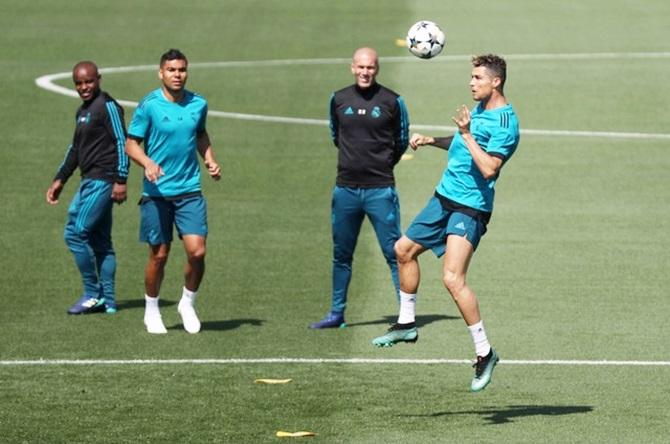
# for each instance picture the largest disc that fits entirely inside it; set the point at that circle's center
(425, 39)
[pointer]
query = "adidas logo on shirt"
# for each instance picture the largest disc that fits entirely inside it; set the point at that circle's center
(360, 111)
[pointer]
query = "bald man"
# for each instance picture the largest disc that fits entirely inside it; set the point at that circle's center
(369, 126)
(98, 150)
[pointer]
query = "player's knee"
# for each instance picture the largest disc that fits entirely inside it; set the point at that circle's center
(159, 258)
(197, 254)
(403, 251)
(400, 254)
(454, 282)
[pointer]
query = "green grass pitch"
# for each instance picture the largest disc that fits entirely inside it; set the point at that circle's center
(574, 266)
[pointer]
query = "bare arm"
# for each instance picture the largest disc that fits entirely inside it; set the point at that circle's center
(152, 171)
(418, 140)
(207, 153)
(488, 165)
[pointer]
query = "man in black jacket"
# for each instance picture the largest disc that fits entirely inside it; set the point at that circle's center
(98, 149)
(370, 128)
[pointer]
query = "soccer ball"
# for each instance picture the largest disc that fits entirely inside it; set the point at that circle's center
(425, 39)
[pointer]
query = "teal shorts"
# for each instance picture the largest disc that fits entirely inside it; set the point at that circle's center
(434, 223)
(159, 215)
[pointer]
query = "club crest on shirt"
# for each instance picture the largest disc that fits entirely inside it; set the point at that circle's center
(85, 118)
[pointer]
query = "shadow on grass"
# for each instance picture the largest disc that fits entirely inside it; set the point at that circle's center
(508, 414)
(130, 304)
(421, 320)
(230, 324)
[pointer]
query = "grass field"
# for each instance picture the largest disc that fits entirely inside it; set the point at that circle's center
(573, 268)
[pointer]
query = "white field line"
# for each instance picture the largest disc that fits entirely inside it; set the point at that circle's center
(47, 82)
(93, 362)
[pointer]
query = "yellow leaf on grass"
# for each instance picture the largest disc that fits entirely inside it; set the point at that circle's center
(272, 381)
(281, 434)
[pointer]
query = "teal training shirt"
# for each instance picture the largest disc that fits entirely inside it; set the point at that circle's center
(169, 131)
(497, 132)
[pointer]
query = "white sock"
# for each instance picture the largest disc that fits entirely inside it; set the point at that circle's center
(151, 306)
(188, 296)
(407, 308)
(152, 316)
(482, 346)
(187, 311)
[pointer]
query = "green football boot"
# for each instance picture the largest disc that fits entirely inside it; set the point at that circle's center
(397, 333)
(484, 370)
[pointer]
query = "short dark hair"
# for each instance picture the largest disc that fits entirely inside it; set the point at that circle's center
(173, 54)
(495, 64)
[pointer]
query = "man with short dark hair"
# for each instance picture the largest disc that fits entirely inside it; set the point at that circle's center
(170, 121)
(98, 150)
(455, 218)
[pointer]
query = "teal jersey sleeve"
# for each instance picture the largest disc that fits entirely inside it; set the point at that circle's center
(497, 132)
(139, 125)
(503, 137)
